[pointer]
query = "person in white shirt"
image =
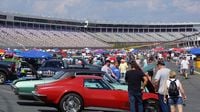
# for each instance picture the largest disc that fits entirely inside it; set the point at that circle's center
(184, 67)
(160, 82)
(175, 102)
(160, 56)
(106, 68)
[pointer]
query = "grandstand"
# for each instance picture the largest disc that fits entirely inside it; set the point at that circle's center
(17, 31)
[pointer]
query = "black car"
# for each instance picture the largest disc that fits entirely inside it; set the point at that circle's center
(8, 70)
(49, 67)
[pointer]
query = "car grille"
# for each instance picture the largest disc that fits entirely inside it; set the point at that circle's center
(48, 73)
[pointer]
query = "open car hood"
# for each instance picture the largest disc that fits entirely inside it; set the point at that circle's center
(150, 87)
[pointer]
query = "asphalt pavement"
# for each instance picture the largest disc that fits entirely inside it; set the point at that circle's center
(192, 89)
(10, 103)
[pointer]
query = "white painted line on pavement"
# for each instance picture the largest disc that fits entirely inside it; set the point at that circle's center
(197, 72)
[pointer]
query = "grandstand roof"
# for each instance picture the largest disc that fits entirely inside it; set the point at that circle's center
(12, 14)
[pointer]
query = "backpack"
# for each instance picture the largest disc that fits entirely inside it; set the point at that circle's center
(173, 90)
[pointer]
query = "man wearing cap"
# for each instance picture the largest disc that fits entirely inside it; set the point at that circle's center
(112, 63)
(160, 80)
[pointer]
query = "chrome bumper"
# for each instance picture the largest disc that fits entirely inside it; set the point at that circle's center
(14, 89)
(38, 96)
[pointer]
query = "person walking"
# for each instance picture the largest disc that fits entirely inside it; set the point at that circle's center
(175, 93)
(134, 77)
(191, 66)
(160, 82)
(184, 66)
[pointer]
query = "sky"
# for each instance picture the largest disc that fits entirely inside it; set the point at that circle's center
(122, 11)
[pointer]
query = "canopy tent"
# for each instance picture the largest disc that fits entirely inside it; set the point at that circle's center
(35, 54)
(177, 49)
(158, 49)
(17, 51)
(195, 51)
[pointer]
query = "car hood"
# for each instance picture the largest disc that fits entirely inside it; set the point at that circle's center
(24, 79)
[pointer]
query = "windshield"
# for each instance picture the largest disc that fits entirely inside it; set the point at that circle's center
(109, 79)
(75, 61)
(62, 74)
(54, 64)
(58, 74)
(108, 84)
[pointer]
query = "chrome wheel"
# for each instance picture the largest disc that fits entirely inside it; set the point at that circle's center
(2, 78)
(71, 103)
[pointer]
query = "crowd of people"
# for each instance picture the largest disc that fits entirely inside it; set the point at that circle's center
(160, 76)
(133, 68)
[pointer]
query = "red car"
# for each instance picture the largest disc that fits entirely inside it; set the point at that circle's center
(79, 92)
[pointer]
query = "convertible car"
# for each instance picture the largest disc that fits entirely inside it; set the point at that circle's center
(78, 92)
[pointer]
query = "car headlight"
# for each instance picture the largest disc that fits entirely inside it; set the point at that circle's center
(39, 72)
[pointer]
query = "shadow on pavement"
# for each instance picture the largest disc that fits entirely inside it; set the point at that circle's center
(46, 110)
(34, 103)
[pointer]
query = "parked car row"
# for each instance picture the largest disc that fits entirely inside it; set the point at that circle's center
(8, 69)
(78, 89)
(74, 85)
(49, 67)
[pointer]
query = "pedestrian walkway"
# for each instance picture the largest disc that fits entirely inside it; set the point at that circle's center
(192, 89)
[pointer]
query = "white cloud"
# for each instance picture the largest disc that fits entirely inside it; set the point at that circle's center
(147, 4)
(112, 10)
(190, 6)
(57, 6)
(39, 6)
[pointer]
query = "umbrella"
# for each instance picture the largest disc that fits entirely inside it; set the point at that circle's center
(99, 51)
(2, 51)
(177, 49)
(158, 49)
(135, 51)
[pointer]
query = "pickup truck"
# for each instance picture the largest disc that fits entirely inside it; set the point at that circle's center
(8, 70)
(50, 67)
